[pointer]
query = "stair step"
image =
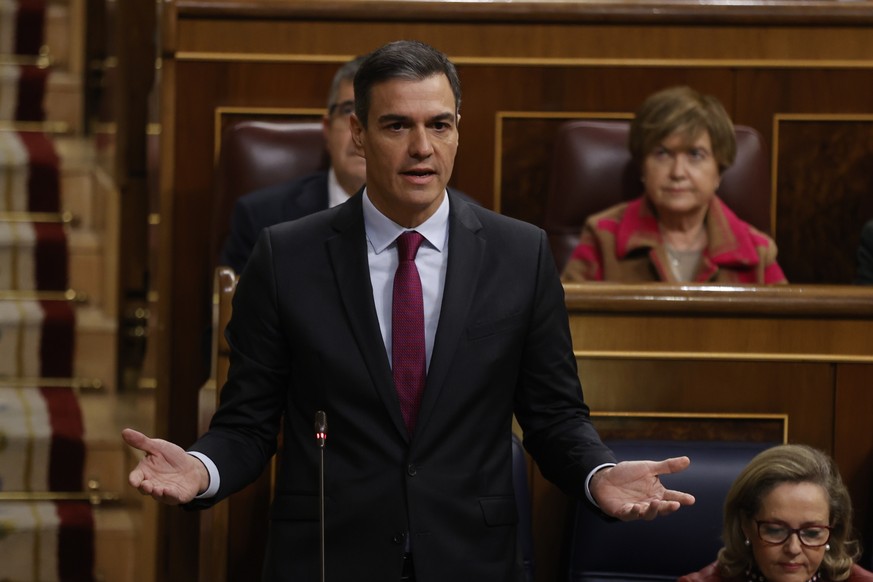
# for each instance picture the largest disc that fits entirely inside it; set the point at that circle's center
(96, 349)
(64, 99)
(124, 531)
(88, 193)
(64, 27)
(117, 539)
(105, 415)
(87, 267)
(80, 193)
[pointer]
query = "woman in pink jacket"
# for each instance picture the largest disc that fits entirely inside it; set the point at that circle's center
(678, 230)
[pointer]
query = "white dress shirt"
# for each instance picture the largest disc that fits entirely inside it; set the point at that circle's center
(431, 261)
(336, 195)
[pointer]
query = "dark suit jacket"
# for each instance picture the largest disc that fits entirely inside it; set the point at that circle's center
(864, 274)
(266, 207)
(305, 337)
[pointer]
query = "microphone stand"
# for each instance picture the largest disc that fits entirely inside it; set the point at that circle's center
(321, 437)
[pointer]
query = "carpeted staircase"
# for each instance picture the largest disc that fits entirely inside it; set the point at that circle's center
(61, 462)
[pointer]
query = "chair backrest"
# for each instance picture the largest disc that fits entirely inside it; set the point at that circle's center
(592, 170)
(599, 550)
(257, 154)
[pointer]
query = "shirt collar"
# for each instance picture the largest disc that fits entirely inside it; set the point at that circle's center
(382, 231)
(335, 193)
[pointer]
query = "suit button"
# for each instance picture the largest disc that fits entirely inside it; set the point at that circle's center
(411, 470)
(399, 538)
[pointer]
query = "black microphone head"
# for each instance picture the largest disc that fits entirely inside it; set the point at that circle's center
(320, 423)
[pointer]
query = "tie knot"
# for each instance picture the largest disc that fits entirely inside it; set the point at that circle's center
(407, 245)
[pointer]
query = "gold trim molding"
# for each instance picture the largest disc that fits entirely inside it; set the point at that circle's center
(198, 56)
(721, 356)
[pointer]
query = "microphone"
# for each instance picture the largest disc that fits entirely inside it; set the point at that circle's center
(320, 428)
(321, 438)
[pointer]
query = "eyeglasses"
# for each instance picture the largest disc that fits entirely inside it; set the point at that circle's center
(341, 109)
(811, 536)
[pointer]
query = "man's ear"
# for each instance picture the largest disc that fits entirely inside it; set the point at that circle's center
(325, 126)
(357, 133)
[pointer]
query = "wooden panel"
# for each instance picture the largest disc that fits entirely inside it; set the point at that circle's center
(803, 392)
(524, 177)
(853, 442)
(551, 41)
(759, 428)
(756, 338)
(824, 179)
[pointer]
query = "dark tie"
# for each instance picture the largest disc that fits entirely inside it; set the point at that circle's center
(407, 330)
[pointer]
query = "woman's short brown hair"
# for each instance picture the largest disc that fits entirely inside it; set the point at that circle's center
(685, 110)
(787, 464)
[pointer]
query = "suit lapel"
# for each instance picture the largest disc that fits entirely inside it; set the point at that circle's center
(348, 257)
(466, 252)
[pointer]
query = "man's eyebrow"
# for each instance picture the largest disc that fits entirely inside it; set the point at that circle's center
(392, 118)
(447, 116)
(397, 118)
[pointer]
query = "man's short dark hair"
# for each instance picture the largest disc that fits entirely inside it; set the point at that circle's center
(403, 59)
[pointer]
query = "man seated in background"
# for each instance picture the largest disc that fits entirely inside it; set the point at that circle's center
(303, 196)
(864, 275)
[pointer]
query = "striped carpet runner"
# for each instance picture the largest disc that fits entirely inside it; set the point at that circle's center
(21, 91)
(42, 450)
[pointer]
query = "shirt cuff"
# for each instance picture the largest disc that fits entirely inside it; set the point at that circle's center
(215, 480)
(588, 482)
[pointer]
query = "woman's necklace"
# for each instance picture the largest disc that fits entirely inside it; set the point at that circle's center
(671, 254)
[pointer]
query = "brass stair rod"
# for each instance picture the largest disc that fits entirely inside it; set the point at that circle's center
(52, 217)
(75, 383)
(25, 295)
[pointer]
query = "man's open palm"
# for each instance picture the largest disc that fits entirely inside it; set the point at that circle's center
(633, 490)
(166, 472)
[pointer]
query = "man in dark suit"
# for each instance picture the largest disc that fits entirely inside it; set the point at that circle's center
(864, 275)
(421, 488)
(319, 191)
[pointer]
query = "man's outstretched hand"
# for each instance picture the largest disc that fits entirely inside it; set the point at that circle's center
(632, 489)
(166, 472)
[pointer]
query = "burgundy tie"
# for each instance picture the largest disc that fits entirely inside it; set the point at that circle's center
(407, 330)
